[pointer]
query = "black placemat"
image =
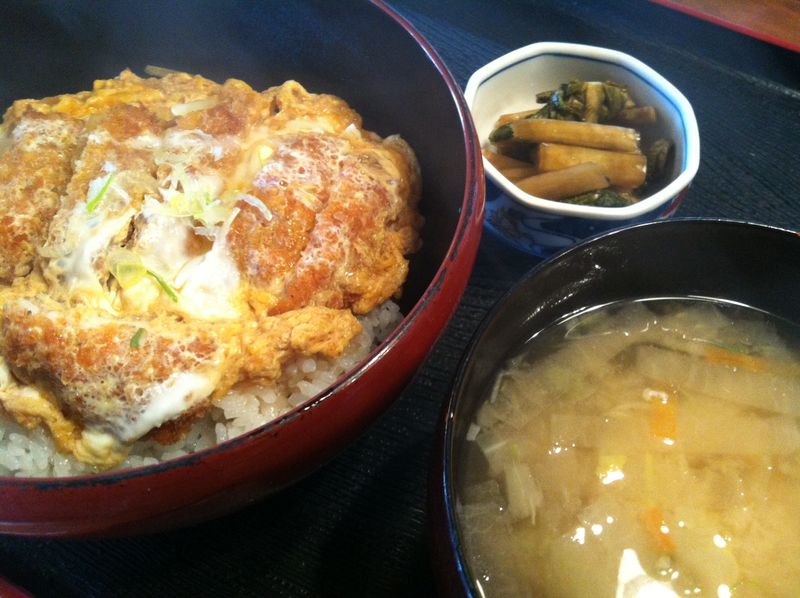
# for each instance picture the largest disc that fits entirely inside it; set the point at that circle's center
(357, 527)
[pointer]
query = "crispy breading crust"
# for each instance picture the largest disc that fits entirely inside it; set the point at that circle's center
(84, 356)
(34, 173)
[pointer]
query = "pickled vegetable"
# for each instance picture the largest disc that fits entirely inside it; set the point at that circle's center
(581, 122)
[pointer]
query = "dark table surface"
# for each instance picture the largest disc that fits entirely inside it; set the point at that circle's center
(357, 527)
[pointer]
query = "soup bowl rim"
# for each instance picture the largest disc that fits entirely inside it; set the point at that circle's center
(442, 481)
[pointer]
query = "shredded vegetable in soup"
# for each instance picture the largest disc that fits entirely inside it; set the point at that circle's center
(641, 449)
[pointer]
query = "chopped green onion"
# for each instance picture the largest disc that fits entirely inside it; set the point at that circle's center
(136, 339)
(164, 286)
(126, 267)
(738, 348)
(92, 205)
(200, 205)
(128, 274)
(515, 452)
(159, 71)
(187, 107)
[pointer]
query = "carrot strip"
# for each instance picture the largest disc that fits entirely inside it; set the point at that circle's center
(664, 419)
(723, 356)
(656, 527)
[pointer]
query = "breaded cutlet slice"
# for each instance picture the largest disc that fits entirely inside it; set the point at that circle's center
(35, 168)
(126, 376)
(122, 376)
(343, 207)
(356, 255)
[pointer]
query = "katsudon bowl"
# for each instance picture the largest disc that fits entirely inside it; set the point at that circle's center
(374, 60)
(709, 261)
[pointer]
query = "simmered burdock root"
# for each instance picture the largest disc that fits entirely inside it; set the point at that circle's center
(35, 167)
(117, 378)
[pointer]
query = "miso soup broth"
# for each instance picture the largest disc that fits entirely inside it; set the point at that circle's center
(640, 449)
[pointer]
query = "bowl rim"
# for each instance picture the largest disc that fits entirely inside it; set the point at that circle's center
(442, 473)
(468, 230)
(658, 83)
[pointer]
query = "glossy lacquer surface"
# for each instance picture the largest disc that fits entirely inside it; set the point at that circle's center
(357, 526)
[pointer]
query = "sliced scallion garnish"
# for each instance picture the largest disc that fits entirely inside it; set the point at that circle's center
(93, 203)
(164, 285)
(185, 108)
(136, 339)
(126, 267)
(159, 71)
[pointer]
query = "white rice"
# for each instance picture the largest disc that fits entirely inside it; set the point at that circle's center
(31, 453)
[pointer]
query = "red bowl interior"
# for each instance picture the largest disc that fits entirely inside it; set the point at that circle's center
(368, 55)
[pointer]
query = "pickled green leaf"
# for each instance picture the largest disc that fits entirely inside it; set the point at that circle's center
(501, 133)
(604, 198)
(568, 102)
(658, 156)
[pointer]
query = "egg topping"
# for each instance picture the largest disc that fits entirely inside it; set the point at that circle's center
(166, 239)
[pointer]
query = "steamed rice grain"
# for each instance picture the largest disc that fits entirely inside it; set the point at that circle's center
(32, 453)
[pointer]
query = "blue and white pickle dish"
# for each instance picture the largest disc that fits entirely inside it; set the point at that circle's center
(510, 83)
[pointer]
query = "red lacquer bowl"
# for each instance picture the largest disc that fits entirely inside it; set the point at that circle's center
(366, 54)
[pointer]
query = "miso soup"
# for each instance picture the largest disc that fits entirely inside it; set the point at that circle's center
(648, 448)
